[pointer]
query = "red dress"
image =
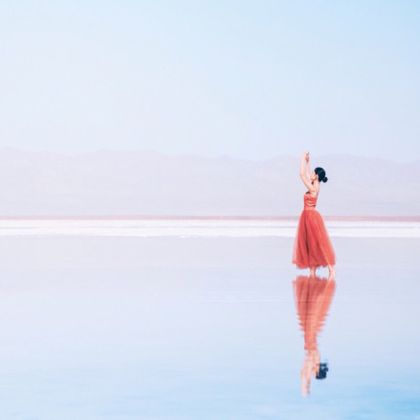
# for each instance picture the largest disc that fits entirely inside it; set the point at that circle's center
(312, 245)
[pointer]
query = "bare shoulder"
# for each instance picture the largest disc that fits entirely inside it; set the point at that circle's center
(307, 183)
(313, 191)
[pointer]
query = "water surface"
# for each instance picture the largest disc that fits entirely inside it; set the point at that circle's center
(203, 328)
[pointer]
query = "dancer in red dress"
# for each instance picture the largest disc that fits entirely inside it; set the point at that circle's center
(312, 246)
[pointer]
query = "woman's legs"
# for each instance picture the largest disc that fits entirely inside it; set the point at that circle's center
(331, 271)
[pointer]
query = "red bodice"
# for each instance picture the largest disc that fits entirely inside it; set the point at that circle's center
(309, 201)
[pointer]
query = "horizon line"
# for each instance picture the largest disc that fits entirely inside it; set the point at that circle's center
(403, 218)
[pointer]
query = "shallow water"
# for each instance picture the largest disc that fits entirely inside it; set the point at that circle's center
(203, 328)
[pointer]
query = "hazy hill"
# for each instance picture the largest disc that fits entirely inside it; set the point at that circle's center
(128, 183)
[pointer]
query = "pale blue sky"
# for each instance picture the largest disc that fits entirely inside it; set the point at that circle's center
(248, 79)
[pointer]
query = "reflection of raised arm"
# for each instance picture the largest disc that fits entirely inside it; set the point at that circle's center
(305, 174)
(309, 369)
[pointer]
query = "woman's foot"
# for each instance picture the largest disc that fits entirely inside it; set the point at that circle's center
(312, 271)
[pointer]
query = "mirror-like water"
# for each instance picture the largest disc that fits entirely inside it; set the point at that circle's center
(207, 328)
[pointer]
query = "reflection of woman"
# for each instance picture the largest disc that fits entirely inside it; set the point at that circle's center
(312, 246)
(313, 296)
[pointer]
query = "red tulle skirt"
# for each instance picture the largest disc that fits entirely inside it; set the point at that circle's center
(312, 246)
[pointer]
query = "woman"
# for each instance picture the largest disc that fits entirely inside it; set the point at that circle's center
(312, 246)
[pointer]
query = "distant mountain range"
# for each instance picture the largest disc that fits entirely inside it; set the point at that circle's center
(148, 183)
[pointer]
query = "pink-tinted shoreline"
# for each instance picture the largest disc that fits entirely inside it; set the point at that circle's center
(208, 217)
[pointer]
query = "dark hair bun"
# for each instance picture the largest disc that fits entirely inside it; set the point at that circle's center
(325, 179)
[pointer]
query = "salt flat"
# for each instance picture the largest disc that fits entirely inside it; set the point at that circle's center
(202, 327)
(202, 228)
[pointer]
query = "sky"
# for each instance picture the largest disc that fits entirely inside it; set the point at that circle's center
(246, 79)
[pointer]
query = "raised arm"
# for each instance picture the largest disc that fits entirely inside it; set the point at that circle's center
(305, 173)
(308, 169)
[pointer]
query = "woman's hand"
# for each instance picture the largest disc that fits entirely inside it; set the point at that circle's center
(305, 156)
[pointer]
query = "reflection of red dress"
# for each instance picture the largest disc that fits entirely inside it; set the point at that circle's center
(313, 296)
(312, 245)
